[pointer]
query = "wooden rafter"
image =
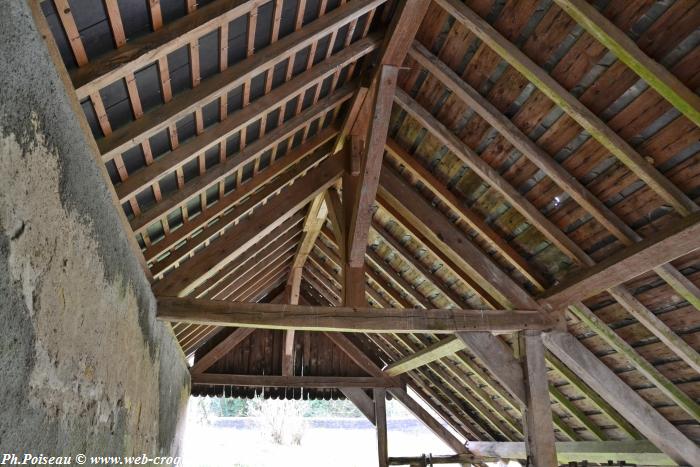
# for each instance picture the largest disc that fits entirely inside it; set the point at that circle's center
(627, 51)
(572, 106)
(654, 426)
(681, 238)
(248, 232)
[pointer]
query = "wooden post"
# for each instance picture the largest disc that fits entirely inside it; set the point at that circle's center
(537, 414)
(380, 417)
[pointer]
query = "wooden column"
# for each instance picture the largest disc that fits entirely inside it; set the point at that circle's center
(380, 417)
(537, 413)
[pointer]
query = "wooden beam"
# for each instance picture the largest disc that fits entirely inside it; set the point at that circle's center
(348, 319)
(222, 348)
(595, 452)
(219, 172)
(627, 51)
(211, 89)
(380, 416)
(642, 365)
(216, 379)
(362, 401)
(470, 217)
(354, 286)
(523, 143)
(403, 27)
(680, 239)
(235, 241)
(427, 355)
(537, 416)
(572, 106)
(599, 377)
(371, 164)
(451, 240)
(364, 362)
(490, 175)
(142, 51)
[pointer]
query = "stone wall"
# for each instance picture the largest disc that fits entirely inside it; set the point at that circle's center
(84, 365)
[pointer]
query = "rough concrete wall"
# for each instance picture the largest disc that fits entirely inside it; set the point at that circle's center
(84, 365)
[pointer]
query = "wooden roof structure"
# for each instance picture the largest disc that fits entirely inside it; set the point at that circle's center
(492, 203)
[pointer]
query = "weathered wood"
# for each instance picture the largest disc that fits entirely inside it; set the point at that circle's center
(364, 362)
(523, 143)
(652, 425)
(362, 401)
(348, 319)
(491, 176)
(627, 51)
(539, 431)
(657, 327)
(216, 379)
(597, 452)
(380, 417)
(211, 89)
(220, 132)
(679, 239)
(572, 106)
(583, 313)
(498, 358)
(234, 241)
(222, 348)
(443, 233)
(354, 286)
(141, 51)
(467, 215)
(371, 164)
(429, 354)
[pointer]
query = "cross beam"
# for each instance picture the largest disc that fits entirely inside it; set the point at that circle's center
(348, 319)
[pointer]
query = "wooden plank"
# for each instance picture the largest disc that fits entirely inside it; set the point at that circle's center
(141, 51)
(186, 102)
(403, 27)
(219, 133)
(234, 164)
(443, 233)
(674, 393)
(681, 238)
(348, 319)
(537, 416)
(366, 186)
(491, 176)
(573, 107)
(380, 417)
(498, 358)
(216, 379)
(523, 143)
(233, 242)
(222, 348)
(654, 324)
(65, 15)
(427, 355)
(288, 169)
(599, 377)
(596, 452)
(627, 51)
(467, 215)
(115, 22)
(364, 362)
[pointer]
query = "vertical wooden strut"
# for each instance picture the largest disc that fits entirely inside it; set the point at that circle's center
(539, 430)
(380, 417)
(315, 218)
